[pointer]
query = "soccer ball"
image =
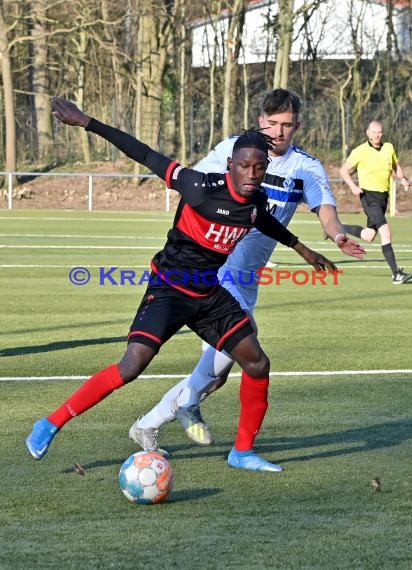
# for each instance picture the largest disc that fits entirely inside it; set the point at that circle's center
(146, 478)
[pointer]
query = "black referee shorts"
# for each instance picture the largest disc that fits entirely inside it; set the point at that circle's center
(374, 205)
(218, 318)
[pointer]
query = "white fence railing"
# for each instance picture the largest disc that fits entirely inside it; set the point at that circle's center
(91, 175)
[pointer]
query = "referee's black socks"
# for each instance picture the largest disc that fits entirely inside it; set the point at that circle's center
(389, 256)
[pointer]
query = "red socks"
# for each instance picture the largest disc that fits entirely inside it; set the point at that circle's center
(253, 403)
(253, 406)
(90, 393)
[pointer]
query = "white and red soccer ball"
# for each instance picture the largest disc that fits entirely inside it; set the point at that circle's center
(146, 478)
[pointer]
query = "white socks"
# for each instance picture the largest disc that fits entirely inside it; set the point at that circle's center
(211, 366)
(162, 412)
(189, 391)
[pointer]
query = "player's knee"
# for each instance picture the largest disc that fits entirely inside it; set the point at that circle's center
(134, 361)
(259, 368)
(127, 372)
(368, 235)
(385, 233)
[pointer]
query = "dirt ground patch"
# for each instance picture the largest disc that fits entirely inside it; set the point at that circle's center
(115, 193)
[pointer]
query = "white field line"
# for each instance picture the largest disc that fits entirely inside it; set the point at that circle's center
(119, 219)
(103, 247)
(88, 220)
(123, 218)
(233, 375)
(82, 236)
(76, 247)
(165, 219)
(5, 266)
(279, 266)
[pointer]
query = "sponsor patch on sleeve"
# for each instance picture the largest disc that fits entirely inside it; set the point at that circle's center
(176, 172)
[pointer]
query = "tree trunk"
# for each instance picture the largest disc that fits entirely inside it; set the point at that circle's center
(112, 40)
(212, 10)
(7, 77)
(343, 114)
(182, 84)
(41, 84)
(234, 39)
(80, 91)
(245, 82)
(389, 66)
(139, 94)
(155, 29)
(285, 15)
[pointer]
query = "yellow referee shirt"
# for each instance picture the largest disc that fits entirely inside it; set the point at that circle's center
(374, 166)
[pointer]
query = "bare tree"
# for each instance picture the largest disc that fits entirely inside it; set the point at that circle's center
(111, 45)
(180, 17)
(284, 43)
(155, 31)
(41, 87)
(389, 63)
(7, 77)
(81, 43)
(212, 11)
(128, 62)
(343, 112)
(233, 44)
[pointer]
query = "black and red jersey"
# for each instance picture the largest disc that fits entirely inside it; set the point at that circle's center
(210, 220)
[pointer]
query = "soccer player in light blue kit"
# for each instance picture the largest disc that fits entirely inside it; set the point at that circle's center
(292, 177)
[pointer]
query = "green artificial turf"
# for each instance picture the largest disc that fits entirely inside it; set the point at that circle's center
(332, 427)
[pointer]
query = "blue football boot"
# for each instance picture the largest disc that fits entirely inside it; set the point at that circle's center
(250, 461)
(40, 438)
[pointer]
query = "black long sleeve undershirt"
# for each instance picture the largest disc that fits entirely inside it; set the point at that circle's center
(132, 147)
(158, 163)
(271, 227)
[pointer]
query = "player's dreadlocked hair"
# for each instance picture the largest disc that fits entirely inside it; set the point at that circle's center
(253, 138)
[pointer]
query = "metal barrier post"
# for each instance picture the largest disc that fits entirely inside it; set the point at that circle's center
(10, 190)
(90, 193)
(10, 175)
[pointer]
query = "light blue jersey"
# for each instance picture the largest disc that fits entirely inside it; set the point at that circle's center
(291, 179)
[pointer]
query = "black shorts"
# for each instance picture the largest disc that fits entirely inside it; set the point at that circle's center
(374, 205)
(218, 318)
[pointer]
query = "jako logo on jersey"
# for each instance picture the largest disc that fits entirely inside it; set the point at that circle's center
(224, 212)
(225, 235)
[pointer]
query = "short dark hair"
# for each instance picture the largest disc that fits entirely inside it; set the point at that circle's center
(253, 138)
(280, 101)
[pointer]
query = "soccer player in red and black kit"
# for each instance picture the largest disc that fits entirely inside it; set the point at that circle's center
(215, 212)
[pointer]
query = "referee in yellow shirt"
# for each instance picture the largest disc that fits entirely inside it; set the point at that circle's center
(375, 162)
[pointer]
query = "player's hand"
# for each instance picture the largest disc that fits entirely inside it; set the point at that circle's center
(314, 258)
(68, 113)
(350, 247)
(356, 191)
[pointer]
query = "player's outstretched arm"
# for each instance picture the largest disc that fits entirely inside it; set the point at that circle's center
(317, 260)
(69, 114)
(188, 183)
(334, 229)
(349, 246)
(271, 227)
